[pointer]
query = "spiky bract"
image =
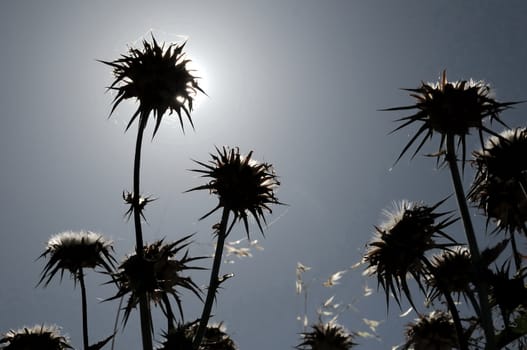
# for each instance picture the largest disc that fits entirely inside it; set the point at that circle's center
(40, 337)
(158, 78)
(400, 244)
(434, 331)
(328, 336)
(181, 338)
(157, 275)
(450, 108)
(500, 184)
(74, 251)
(242, 185)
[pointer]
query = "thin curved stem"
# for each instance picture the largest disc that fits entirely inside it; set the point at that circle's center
(214, 280)
(144, 310)
(84, 303)
(479, 280)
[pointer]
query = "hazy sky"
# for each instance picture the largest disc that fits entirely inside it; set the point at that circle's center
(299, 82)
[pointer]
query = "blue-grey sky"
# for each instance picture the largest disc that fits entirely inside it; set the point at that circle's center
(299, 82)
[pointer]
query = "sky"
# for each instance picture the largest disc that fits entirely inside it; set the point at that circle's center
(301, 83)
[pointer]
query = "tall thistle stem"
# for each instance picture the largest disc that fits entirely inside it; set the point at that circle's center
(144, 309)
(85, 341)
(214, 280)
(479, 280)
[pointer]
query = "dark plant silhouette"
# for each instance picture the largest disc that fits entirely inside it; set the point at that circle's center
(40, 337)
(181, 338)
(453, 110)
(156, 276)
(243, 187)
(74, 252)
(432, 332)
(400, 244)
(328, 336)
(159, 79)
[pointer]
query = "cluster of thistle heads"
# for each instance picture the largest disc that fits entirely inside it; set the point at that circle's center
(159, 79)
(414, 241)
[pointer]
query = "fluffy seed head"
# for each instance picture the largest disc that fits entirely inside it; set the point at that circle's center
(74, 251)
(400, 244)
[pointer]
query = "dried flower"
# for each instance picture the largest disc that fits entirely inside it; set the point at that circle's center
(452, 272)
(500, 184)
(74, 251)
(157, 275)
(242, 185)
(329, 336)
(450, 108)
(433, 331)
(181, 338)
(400, 245)
(40, 337)
(158, 78)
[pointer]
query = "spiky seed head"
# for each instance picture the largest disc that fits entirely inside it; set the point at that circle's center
(157, 274)
(157, 77)
(328, 336)
(42, 337)
(500, 184)
(73, 251)
(399, 245)
(433, 331)
(450, 108)
(243, 185)
(182, 336)
(452, 272)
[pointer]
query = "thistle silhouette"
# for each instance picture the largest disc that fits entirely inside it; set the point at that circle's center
(41, 337)
(243, 187)
(74, 252)
(158, 78)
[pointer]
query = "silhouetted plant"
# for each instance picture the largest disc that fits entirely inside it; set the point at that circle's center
(243, 186)
(159, 79)
(181, 338)
(453, 110)
(434, 331)
(75, 251)
(400, 244)
(156, 276)
(328, 336)
(40, 337)
(500, 184)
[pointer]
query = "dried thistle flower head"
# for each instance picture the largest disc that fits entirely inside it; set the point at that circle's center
(181, 338)
(74, 251)
(433, 331)
(243, 185)
(500, 184)
(158, 274)
(40, 337)
(158, 78)
(328, 336)
(450, 108)
(452, 272)
(400, 244)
